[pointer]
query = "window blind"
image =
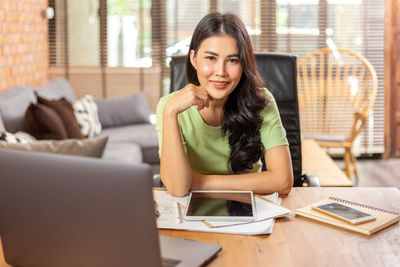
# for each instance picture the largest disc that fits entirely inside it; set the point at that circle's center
(132, 40)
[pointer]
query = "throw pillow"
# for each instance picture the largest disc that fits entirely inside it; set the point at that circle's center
(66, 112)
(86, 147)
(16, 138)
(86, 114)
(125, 110)
(44, 123)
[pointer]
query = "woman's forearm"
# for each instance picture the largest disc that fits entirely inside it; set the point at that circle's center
(260, 182)
(174, 166)
(279, 177)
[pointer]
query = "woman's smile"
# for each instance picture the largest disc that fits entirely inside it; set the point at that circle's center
(219, 84)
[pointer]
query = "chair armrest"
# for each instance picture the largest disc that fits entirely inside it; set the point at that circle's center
(311, 180)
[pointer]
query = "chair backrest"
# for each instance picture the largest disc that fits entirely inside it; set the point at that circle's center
(279, 72)
(336, 88)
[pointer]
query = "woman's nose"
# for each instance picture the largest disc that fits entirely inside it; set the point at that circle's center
(220, 68)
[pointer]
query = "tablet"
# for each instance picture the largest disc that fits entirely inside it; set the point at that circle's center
(220, 206)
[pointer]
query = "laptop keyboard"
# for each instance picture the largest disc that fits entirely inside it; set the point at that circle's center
(167, 262)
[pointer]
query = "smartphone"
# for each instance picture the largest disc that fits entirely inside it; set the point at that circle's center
(344, 212)
(220, 206)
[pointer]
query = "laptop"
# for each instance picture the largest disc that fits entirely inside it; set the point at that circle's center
(58, 210)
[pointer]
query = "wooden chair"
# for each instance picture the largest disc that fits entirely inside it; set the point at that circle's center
(336, 91)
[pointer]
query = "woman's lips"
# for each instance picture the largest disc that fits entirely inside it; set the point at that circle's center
(219, 84)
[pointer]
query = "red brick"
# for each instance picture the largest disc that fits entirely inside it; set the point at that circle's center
(12, 6)
(3, 5)
(11, 83)
(23, 43)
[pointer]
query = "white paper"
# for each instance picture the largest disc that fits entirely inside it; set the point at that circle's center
(167, 218)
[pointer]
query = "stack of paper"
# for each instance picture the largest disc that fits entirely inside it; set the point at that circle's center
(266, 211)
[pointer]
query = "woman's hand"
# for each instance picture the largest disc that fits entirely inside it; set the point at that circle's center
(190, 95)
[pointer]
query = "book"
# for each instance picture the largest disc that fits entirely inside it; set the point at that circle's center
(167, 216)
(384, 218)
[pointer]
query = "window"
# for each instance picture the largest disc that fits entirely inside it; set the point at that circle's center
(140, 36)
(181, 18)
(129, 33)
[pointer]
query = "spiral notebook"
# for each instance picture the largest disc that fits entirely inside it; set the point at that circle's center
(384, 218)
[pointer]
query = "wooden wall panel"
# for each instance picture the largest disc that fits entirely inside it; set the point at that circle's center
(119, 82)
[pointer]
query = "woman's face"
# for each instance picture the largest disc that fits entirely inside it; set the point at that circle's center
(218, 65)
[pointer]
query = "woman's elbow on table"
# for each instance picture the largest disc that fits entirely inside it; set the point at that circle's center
(178, 192)
(176, 189)
(287, 184)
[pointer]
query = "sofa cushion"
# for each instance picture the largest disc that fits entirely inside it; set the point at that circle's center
(86, 114)
(93, 147)
(123, 152)
(57, 89)
(2, 128)
(16, 138)
(13, 104)
(44, 123)
(65, 110)
(125, 110)
(142, 134)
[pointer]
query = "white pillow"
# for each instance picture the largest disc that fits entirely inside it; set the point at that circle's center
(17, 138)
(86, 114)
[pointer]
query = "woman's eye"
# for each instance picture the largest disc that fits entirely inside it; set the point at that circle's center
(210, 58)
(233, 60)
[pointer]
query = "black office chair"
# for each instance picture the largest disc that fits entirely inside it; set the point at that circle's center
(279, 71)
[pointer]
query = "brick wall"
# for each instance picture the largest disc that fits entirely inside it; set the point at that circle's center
(23, 43)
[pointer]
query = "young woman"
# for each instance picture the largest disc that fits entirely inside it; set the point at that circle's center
(213, 131)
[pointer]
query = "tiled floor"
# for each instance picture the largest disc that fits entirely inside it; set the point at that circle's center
(376, 173)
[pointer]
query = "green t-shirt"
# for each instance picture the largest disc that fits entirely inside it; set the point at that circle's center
(207, 150)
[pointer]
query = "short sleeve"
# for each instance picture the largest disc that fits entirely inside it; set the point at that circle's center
(272, 132)
(159, 119)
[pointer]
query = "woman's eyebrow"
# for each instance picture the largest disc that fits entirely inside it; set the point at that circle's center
(216, 54)
(211, 53)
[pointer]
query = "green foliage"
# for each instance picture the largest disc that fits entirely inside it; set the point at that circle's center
(126, 7)
(282, 17)
(118, 7)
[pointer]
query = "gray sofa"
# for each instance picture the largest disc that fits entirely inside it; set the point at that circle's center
(125, 120)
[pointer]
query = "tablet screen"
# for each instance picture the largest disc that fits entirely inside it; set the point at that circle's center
(219, 204)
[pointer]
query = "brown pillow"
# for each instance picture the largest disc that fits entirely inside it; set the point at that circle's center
(44, 123)
(66, 112)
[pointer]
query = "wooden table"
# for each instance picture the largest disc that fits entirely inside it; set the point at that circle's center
(317, 161)
(296, 241)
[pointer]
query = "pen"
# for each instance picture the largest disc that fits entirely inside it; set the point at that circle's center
(178, 213)
(157, 213)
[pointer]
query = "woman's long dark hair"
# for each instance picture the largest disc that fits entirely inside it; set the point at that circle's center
(241, 119)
